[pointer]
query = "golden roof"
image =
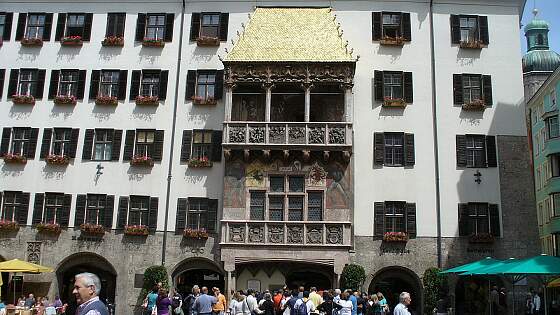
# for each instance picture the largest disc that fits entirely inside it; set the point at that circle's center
(291, 34)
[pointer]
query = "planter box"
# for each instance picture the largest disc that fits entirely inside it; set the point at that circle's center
(8, 226)
(204, 101)
(475, 44)
(32, 42)
(54, 159)
(158, 43)
(199, 163)
(147, 100)
(65, 100)
(106, 100)
(394, 102)
(71, 41)
(142, 161)
(200, 234)
(23, 99)
(14, 159)
(92, 229)
(475, 105)
(481, 238)
(49, 228)
(205, 41)
(399, 237)
(392, 41)
(136, 230)
(113, 41)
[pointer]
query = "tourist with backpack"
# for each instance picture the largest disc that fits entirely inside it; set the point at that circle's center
(304, 306)
(177, 303)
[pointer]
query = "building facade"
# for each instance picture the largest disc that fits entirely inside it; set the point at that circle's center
(256, 151)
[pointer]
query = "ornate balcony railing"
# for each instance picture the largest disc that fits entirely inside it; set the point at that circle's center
(286, 233)
(289, 134)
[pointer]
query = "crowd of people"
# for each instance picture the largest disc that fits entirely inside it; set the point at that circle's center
(41, 305)
(280, 302)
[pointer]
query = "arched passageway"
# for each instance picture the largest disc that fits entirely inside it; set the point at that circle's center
(197, 271)
(391, 281)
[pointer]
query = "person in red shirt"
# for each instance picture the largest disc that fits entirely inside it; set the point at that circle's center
(277, 299)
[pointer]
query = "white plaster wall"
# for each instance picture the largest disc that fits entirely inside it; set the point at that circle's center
(277, 278)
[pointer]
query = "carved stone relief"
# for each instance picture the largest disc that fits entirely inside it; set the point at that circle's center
(314, 235)
(276, 234)
(34, 252)
(237, 233)
(295, 234)
(256, 234)
(334, 235)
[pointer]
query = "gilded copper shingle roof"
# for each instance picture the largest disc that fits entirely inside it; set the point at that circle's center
(291, 34)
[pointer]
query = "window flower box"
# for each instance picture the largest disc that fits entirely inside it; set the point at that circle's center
(71, 41)
(136, 230)
(14, 158)
(393, 102)
(151, 42)
(399, 237)
(472, 44)
(92, 229)
(7, 226)
(199, 234)
(147, 100)
(19, 99)
(481, 238)
(475, 105)
(113, 41)
(207, 41)
(55, 159)
(392, 41)
(49, 228)
(106, 100)
(201, 162)
(32, 42)
(65, 100)
(140, 160)
(199, 100)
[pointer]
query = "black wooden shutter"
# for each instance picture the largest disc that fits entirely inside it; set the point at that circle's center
(53, 86)
(408, 87)
(195, 26)
(81, 84)
(123, 76)
(409, 149)
(13, 84)
(46, 143)
(378, 85)
(5, 144)
(20, 30)
(23, 209)
(376, 31)
(219, 91)
(163, 84)
(216, 145)
(2, 76)
(461, 150)
(74, 143)
(487, 89)
(191, 83)
(116, 145)
(94, 84)
(455, 29)
(494, 213)
(181, 216)
(65, 213)
(121, 22)
(40, 84)
(128, 151)
(108, 211)
(86, 35)
(491, 158)
(38, 208)
(406, 27)
(212, 215)
(458, 89)
(123, 212)
(464, 219)
(112, 21)
(169, 20)
(7, 26)
(153, 213)
(224, 22)
(135, 84)
(140, 27)
(32, 143)
(80, 210)
(379, 218)
(158, 145)
(48, 27)
(378, 148)
(60, 26)
(483, 29)
(88, 144)
(411, 220)
(186, 145)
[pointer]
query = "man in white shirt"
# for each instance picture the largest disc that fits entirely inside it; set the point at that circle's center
(536, 303)
(402, 307)
(345, 305)
(252, 302)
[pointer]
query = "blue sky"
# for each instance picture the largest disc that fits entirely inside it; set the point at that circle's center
(549, 11)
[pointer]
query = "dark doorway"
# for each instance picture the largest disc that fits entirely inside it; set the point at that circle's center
(308, 279)
(394, 280)
(472, 294)
(201, 277)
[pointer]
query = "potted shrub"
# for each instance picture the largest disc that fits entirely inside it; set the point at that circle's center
(395, 237)
(31, 42)
(152, 42)
(14, 158)
(392, 41)
(473, 44)
(136, 230)
(481, 238)
(207, 41)
(106, 100)
(141, 160)
(65, 100)
(20, 99)
(198, 234)
(199, 100)
(393, 102)
(55, 159)
(475, 105)
(71, 41)
(8, 226)
(147, 100)
(113, 41)
(201, 162)
(49, 228)
(92, 229)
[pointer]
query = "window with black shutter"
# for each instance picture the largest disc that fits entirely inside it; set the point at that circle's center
(27, 83)
(56, 209)
(472, 89)
(149, 83)
(2, 76)
(15, 206)
(391, 27)
(139, 210)
(115, 24)
(95, 209)
(394, 149)
(68, 83)
(144, 143)
(103, 145)
(5, 26)
(23, 141)
(75, 25)
(181, 215)
(393, 86)
(109, 83)
(209, 25)
(476, 151)
(197, 215)
(395, 216)
(204, 86)
(34, 26)
(470, 31)
(477, 218)
(201, 145)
